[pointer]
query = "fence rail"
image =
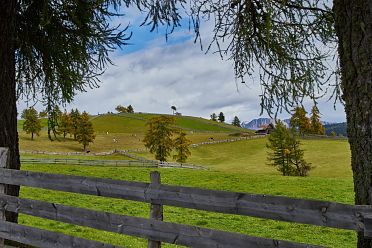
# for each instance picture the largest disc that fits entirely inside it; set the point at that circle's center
(87, 162)
(321, 213)
(112, 163)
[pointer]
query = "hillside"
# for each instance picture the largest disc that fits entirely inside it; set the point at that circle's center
(338, 128)
(125, 132)
(135, 123)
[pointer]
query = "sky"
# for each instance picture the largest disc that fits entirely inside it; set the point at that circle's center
(153, 74)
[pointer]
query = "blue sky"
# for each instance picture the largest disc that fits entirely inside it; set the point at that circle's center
(153, 74)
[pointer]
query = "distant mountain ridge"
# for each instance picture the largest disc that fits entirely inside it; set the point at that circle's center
(256, 124)
(338, 128)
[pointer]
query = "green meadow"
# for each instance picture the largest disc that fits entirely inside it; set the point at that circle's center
(239, 166)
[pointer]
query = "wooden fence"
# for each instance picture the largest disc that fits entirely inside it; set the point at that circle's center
(321, 213)
(111, 163)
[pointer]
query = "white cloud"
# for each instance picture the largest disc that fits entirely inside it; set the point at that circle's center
(154, 79)
(160, 75)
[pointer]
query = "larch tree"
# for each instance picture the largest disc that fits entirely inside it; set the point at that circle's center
(65, 124)
(85, 132)
(75, 119)
(158, 137)
(181, 145)
(32, 123)
(316, 125)
(299, 121)
(54, 115)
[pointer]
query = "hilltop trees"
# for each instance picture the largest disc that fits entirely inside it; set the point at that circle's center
(221, 117)
(130, 109)
(174, 109)
(85, 133)
(121, 109)
(214, 117)
(32, 123)
(236, 122)
(285, 152)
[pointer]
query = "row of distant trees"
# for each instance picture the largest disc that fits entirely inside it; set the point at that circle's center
(75, 124)
(221, 118)
(162, 138)
(307, 125)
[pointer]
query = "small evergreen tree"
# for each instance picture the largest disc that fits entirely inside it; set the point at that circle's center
(299, 122)
(300, 166)
(221, 117)
(333, 134)
(279, 156)
(85, 132)
(285, 152)
(214, 117)
(32, 123)
(236, 122)
(158, 137)
(181, 145)
(130, 109)
(315, 124)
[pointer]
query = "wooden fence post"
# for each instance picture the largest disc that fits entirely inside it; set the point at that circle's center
(4, 163)
(156, 210)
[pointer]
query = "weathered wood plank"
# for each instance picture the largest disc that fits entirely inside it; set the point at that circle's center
(45, 239)
(264, 206)
(156, 210)
(4, 163)
(140, 227)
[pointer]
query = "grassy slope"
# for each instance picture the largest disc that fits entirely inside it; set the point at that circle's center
(135, 123)
(330, 158)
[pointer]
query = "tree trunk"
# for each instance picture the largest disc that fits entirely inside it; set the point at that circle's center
(32, 136)
(354, 31)
(8, 113)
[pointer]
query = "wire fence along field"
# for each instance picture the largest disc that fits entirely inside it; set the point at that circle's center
(320, 213)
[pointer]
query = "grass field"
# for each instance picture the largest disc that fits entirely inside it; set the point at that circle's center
(335, 189)
(330, 158)
(235, 166)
